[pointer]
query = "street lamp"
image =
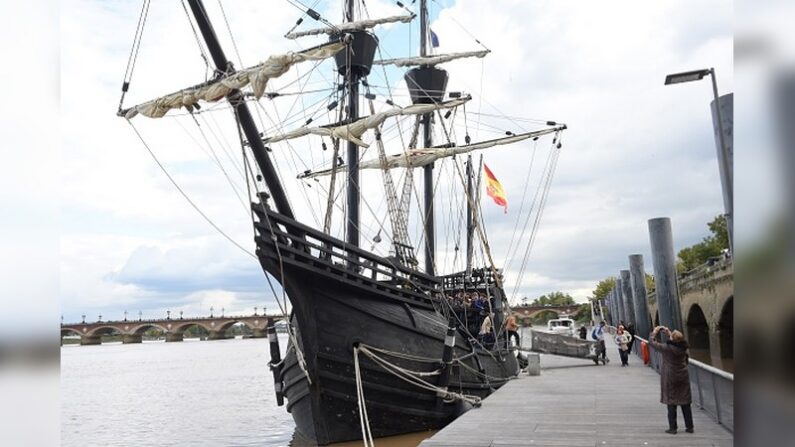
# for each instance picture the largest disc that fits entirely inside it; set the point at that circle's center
(99, 320)
(211, 311)
(255, 311)
(84, 318)
(139, 315)
(222, 312)
(61, 320)
(168, 315)
(180, 315)
(125, 315)
(723, 158)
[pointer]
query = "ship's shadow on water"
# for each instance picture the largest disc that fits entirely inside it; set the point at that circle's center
(407, 440)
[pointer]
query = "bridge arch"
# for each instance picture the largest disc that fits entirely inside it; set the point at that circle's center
(697, 329)
(104, 330)
(178, 328)
(140, 329)
(69, 331)
(726, 329)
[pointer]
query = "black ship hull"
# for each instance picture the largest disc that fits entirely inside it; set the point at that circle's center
(343, 298)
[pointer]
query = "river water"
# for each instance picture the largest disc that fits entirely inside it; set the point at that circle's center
(197, 393)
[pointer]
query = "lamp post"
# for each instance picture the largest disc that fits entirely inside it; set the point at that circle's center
(222, 312)
(139, 315)
(723, 158)
(84, 318)
(211, 311)
(255, 311)
(168, 315)
(99, 320)
(61, 320)
(180, 315)
(125, 315)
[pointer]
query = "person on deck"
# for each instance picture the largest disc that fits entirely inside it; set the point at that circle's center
(622, 341)
(583, 332)
(674, 376)
(598, 334)
(511, 329)
(486, 335)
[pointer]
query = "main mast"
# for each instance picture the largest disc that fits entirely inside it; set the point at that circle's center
(245, 119)
(354, 63)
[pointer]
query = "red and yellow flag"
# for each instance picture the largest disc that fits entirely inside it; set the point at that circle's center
(494, 189)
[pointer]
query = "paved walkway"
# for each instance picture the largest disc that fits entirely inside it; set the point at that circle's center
(575, 403)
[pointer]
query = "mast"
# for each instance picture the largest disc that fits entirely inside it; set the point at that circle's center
(470, 215)
(223, 65)
(353, 193)
(430, 233)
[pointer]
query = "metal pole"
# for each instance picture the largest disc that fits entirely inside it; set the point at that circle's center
(664, 261)
(244, 116)
(626, 294)
(727, 177)
(637, 278)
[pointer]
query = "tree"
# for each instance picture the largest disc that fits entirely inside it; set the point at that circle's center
(711, 246)
(554, 299)
(604, 287)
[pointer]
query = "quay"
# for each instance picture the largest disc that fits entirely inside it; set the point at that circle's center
(576, 403)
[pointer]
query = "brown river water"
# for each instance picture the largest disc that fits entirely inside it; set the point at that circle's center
(194, 393)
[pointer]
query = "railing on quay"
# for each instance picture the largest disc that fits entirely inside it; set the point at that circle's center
(712, 388)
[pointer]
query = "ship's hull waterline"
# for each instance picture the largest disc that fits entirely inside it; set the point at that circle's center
(336, 308)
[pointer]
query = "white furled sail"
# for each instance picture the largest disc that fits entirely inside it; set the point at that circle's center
(257, 76)
(351, 26)
(415, 158)
(353, 131)
(430, 60)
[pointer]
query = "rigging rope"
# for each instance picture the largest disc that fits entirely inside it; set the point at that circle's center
(185, 195)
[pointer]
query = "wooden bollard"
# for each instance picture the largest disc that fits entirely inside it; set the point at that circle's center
(275, 363)
(447, 365)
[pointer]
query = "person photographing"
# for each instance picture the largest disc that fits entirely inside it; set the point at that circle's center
(674, 376)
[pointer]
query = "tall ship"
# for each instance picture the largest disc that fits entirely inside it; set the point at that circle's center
(390, 331)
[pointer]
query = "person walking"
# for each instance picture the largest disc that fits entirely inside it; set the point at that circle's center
(631, 332)
(674, 376)
(622, 341)
(598, 334)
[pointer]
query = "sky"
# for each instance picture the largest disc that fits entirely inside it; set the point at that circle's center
(635, 149)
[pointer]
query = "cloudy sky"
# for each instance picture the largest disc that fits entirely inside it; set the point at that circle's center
(635, 149)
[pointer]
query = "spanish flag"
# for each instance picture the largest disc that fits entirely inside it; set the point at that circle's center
(494, 189)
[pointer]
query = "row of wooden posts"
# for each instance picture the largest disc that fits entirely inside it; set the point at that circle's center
(628, 300)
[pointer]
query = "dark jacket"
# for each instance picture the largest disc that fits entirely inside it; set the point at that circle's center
(674, 377)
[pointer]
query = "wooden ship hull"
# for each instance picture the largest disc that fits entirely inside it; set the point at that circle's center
(343, 297)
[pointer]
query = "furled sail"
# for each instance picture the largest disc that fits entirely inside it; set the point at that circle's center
(353, 131)
(420, 157)
(351, 26)
(257, 76)
(430, 60)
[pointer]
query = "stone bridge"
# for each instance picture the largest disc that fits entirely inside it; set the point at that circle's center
(174, 328)
(706, 298)
(524, 314)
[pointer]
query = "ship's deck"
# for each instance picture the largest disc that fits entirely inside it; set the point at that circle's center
(575, 403)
